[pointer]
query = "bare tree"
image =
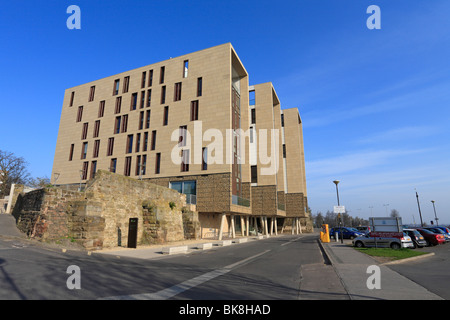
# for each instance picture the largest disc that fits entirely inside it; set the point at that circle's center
(39, 182)
(13, 169)
(394, 213)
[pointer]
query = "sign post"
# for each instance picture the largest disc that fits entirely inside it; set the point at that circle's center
(386, 227)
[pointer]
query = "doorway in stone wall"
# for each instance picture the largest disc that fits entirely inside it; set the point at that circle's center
(132, 232)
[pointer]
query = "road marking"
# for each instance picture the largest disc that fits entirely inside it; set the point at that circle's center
(186, 285)
(290, 241)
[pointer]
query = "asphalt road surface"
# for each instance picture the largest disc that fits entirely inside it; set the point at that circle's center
(278, 268)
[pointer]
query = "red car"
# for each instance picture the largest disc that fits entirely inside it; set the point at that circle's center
(432, 238)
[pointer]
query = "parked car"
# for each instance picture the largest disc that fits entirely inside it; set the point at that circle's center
(381, 242)
(439, 231)
(417, 239)
(431, 238)
(407, 241)
(349, 233)
(364, 230)
(446, 230)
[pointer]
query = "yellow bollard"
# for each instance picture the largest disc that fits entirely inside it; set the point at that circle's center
(325, 234)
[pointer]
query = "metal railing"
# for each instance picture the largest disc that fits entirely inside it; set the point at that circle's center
(240, 201)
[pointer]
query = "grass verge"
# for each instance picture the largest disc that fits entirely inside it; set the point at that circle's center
(391, 254)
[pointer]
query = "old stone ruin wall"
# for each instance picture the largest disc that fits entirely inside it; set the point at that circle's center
(99, 216)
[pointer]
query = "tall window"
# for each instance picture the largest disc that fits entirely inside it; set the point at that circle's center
(84, 171)
(72, 146)
(147, 120)
(85, 131)
(72, 96)
(118, 105)
(251, 98)
(80, 113)
(145, 145)
(127, 168)
(166, 116)
(162, 74)
(184, 160)
(97, 128)
(254, 174)
(124, 123)
(138, 142)
(117, 124)
(141, 120)
(163, 94)
(126, 84)
(199, 87)
(150, 78)
(204, 158)
(177, 92)
(194, 110)
(101, 109)
(129, 148)
(84, 150)
(185, 68)
(253, 115)
(282, 119)
(116, 87)
(153, 145)
(113, 165)
(110, 150)
(134, 97)
(182, 136)
(149, 97)
(158, 163)
(144, 76)
(96, 148)
(142, 99)
(93, 169)
(284, 151)
(91, 93)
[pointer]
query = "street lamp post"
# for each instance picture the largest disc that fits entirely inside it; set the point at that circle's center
(435, 216)
(340, 220)
(420, 213)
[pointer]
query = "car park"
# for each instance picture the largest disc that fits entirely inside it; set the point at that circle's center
(431, 238)
(369, 240)
(417, 239)
(348, 233)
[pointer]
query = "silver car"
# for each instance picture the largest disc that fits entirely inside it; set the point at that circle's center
(369, 240)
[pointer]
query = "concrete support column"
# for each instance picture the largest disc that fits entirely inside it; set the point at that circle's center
(222, 221)
(266, 231)
(293, 226)
(243, 226)
(271, 226)
(247, 225)
(275, 224)
(233, 231)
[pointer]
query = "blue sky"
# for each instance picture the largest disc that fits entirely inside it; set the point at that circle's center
(374, 103)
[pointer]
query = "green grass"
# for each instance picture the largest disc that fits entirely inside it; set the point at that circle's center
(391, 253)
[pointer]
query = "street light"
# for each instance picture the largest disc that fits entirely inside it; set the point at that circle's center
(418, 205)
(340, 222)
(435, 216)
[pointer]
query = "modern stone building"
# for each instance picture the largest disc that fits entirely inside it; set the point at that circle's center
(193, 124)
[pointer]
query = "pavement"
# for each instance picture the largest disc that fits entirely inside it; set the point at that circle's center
(357, 273)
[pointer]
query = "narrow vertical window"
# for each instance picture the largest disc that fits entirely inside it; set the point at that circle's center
(253, 115)
(166, 116)
(101, 109)
(80, 114)
(142, 99)
(133, 105)
(127, 168)
(153, 145)
(129, 148)
(85, 131)
(182, 136)
(126, 84)
(144, 164)
(199, 87)
(141, 120)
(251, 98)
(137, 171)
(84, 171)
(93, 169)
(185, 68)
(72, 96)
(147, 120)
(113, 165)
(161, 75)
(282, 120)
(118, 105)
(254, 174)
(284, 151)
(145, 145)
(138, 142)
(163, 94)
(158, 163)
(91, 93)
(84, 150)
(96, 148)
(116, 87)
(96, 129)
(144, 76)
(72, 146)
(150, 78)
(110, 150)
(194, 110)
(184, 160)
(205, 158)
(124, 123)
(177, 92)
(117, 124)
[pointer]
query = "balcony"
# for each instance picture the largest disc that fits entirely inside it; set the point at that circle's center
(240, 201)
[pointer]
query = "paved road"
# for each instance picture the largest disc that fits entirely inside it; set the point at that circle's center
(432, 273)
(286, 268)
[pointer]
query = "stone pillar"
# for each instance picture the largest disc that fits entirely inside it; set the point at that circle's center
(233, 232)
(222, 221)
(275, 225)
(247, 225)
